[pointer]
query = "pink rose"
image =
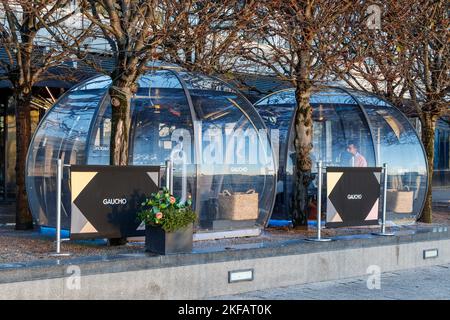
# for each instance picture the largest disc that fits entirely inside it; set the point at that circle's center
(172, 200)
(159, 215)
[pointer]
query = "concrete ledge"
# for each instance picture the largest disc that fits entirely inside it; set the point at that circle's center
(205, 274)
(251, 232)
(203, 236)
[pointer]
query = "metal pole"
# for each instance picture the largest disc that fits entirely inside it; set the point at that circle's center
(183, 178)
(58, 206)
(169, 175)
(59, 171)
(383, 218)
(319, 206)
(319, 201)
(383, 222)
(5, 153)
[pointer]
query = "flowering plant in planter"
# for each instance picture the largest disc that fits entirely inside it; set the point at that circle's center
(163, 210)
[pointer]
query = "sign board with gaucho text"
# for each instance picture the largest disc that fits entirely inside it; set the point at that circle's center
(353, 196)
(106, 199)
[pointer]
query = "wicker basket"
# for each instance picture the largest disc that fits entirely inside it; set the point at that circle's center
(399, 201)
(239, 205)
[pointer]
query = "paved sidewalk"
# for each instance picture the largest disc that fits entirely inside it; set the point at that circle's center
(425, 283)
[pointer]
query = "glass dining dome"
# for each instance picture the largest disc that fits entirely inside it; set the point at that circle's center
(218, 143)
(343, 118)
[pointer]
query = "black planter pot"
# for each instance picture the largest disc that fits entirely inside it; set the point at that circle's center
(159, 241)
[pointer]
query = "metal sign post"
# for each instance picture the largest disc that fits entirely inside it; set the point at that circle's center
(169, 175)
(319, 206)
(383, 219)
(59, 171)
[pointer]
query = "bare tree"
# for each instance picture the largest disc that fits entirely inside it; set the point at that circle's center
(134, 30)
(298, 42)
(432, 84)
(407, 58)
(210, 36)
(25, 39)
(383, 53)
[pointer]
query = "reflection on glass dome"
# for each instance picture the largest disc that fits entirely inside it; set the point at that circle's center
(343, 118)
(217, 141)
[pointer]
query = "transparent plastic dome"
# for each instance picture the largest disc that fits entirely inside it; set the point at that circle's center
(380, 131)
(217, 141)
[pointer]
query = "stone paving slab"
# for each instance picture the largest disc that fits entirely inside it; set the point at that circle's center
(427, 283)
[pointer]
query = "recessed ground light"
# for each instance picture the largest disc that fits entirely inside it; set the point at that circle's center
(240, 275)
(430, 253)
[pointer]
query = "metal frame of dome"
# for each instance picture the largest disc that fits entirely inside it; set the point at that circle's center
(366, 117)
(178, 73)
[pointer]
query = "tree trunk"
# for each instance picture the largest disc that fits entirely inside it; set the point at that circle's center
(428, 128)
(120, 94)
(303, 123)
(24, 220)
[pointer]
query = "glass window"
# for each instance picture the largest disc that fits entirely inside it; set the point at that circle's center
(195, 81)
(277, 111)
(338, 121)
(224, 160)
(336, 126)
(398, 145)
(236, 167)
(162, 129)
(385, 135)
(279, 98)
(62, 133)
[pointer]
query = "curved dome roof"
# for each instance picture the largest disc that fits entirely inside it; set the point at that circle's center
(341, 116)
(215, 137)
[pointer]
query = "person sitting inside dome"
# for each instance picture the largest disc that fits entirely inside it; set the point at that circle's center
(358, 159)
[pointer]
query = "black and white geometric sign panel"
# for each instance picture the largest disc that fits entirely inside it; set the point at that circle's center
(353, 196)
(105, 199)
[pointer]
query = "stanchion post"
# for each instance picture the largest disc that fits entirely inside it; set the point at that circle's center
(169, 175)
(383, 218)
(58, 206)
(59, 172)
(319, 206)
